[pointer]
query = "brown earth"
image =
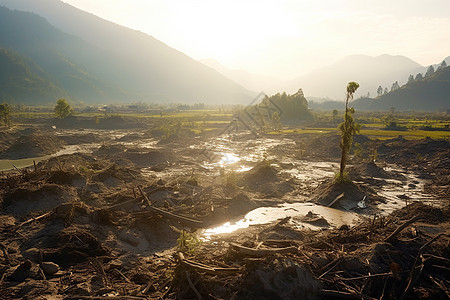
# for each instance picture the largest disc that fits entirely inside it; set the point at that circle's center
(112, 224)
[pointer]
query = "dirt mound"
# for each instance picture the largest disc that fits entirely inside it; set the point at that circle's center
(32, 146)
(344, 195)
(264, 179)
(71, 178)
(324, 146)
(241, 204)
(80, 138)
(71, 161)
(367, 170)
(36, 199)
(110, 149)
(144, 158)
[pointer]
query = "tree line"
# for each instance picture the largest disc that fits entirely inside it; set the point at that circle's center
(395, 86)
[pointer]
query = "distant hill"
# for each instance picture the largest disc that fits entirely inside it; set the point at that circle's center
(21, 78)
(54, 53)
(369, 72)
(429, 94)
(251, 81)
(96, 60)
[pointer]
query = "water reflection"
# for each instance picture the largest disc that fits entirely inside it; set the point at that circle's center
(265, 215)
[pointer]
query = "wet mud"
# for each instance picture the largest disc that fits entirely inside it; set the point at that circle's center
(129, 215)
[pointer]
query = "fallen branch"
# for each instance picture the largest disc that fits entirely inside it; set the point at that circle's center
(187, 221)
(205, 268)
(122, 275)
(333, 265)
(334, 293)
(262, 252)
(411, 283)
(400, 228)
(366, 276)
(35, 219)
(339, 197)
(199, 297)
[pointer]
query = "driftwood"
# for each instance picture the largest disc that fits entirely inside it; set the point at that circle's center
(35, 219)
(199, 297)
(400, 228)
(205, 268)
(339, 197)
(412, 282)
(184, 220)
(262, 252)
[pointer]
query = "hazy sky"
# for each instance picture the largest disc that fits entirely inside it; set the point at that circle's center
(287, 38)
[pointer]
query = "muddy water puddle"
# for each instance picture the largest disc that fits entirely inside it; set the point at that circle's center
(297, 211)
(8, 164)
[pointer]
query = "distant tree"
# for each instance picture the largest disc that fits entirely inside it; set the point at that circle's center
(442, 65)
(385, 91)
(430, 71)
(63, 109)
(276, 120)
(410, 78)
(419, 76)
(5, 114)
(335, 113)
(380, 91)
(348, 128)
(395, 86)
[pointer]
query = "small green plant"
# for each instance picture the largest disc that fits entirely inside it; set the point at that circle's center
(358, 152)
(188, 242)
(341, 178)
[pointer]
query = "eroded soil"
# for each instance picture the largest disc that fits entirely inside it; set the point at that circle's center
(109, 217)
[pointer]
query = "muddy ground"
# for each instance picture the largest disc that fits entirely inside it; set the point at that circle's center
(130, 215)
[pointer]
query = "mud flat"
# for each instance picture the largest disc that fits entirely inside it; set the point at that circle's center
(236, 216)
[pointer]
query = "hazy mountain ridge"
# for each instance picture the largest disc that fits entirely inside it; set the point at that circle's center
(369, 72)
(53, 51)
(135, 61)
(22, 78)
(254, 82)
(429, 94)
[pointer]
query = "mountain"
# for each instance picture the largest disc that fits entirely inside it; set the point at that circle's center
(21, 78)
(251, 81)
(369, 72)
(429, 94)
(55, 53)
(120, 63)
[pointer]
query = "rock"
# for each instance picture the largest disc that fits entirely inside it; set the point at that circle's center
(22, 272)
(49, 268)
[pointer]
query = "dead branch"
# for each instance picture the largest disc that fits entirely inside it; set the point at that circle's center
(199, 297)
(262, 252)
(205, 268)
(411, 283)
(366, 276)
(339, 197)
(122, 275)
(187, 221)
(333, 293)
(400, 228)
(333, 265)
(35, 219)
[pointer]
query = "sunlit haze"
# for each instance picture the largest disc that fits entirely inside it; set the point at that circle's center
(287, 38)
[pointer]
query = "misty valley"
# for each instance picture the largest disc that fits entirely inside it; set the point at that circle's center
(130, 170)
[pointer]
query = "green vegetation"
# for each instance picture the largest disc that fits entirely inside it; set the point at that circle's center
(290, 107)
(188, 242)
(63, 109)
(5, 114)
(348, 128)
